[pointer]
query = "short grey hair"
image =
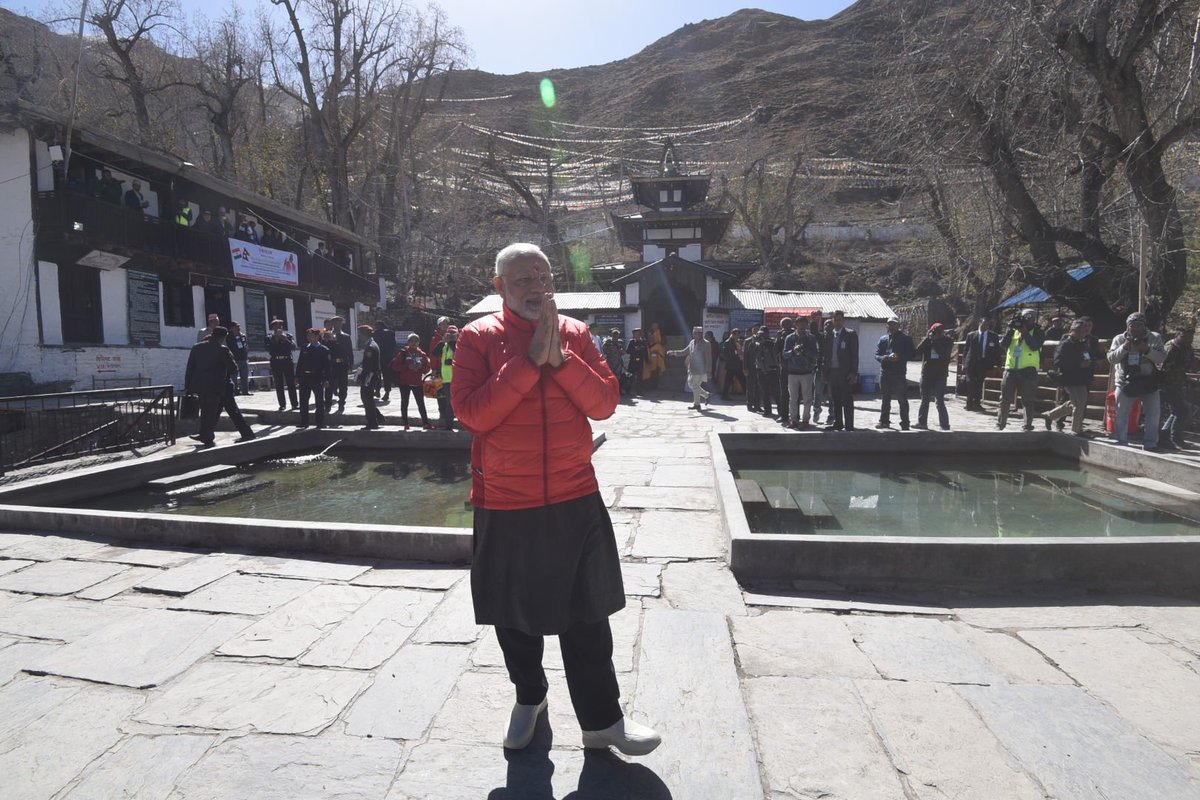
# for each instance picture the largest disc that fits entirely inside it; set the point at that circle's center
(518, 251)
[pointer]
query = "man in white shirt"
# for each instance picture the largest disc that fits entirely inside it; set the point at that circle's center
(699, 365)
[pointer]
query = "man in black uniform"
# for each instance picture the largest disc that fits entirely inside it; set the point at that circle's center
(638, 351)
(768, 371)
(280, 345)
(750, 364)
(313, 372)
(236, 343)
(210, 373)
(341, 352)
(385, 337)
(787, 326)
(369, 376)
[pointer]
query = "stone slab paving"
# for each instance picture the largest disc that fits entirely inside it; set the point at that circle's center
(285, 676)
(59, 577)
(373, 633)
(292, 768)
(153, 646)
(291, 629)
(253, 697)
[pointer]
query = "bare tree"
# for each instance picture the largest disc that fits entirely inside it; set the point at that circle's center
(774, 201)
(225, 64)
(133, 59)
(337, 59)
(1070, 107)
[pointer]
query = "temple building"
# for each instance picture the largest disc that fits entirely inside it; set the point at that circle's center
(677, 284)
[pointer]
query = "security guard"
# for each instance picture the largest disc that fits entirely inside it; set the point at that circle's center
(370, 376)
(341, 350)
(280, 345)
(313, 371)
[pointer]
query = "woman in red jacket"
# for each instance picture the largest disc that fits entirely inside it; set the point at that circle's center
(410, 365)
(545, 559)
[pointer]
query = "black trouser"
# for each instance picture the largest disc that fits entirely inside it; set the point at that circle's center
(339, 383)
(244, 376)
(211, 406)
(732, 371)
(841, 398)
(635, 376)
(587, 658)
(283, 373)
(784, 395)
(975, 376)
(444, 407)
(752, 389)
(419, 393)
(366, 393)
(318, 393)
(388, 377)
(768, 389)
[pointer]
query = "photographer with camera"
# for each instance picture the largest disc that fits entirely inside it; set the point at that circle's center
(1135, 356)
(1022, 348)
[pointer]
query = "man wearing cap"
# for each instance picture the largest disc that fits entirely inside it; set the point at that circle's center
(205, 332)
(209, 374)
(280, 345)
(893, 352)
(981, 353)
(1022, 349)
(439, 333)
(545, 556)
(839, 354)
(1135, 356)
(699, 365)
(312, 369)
(236, 342)
(341, 353)
(934, 352)
(370, 376)
(442, 365)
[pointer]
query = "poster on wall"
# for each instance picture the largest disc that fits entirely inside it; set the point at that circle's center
(609, 321)
(744, 319)
(256, 318)
(772, 316)
(144, 327)
(717, 322)
(257, 263)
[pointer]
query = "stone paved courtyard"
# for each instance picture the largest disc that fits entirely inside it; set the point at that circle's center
(140, 673)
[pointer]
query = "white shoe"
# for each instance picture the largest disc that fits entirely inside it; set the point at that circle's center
(522, 724)
(626, 735)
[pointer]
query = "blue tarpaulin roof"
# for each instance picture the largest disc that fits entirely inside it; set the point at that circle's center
(1031, 295)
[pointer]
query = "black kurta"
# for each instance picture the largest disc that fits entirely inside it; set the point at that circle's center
(542, 570)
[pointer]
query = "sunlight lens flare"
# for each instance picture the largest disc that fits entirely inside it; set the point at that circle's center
(548, 96)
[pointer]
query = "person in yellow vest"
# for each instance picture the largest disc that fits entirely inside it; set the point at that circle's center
(656, 356)
(183, 214)
(1022, 351)
(443, 366)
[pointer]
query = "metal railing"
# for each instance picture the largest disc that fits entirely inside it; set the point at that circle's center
(42, 428)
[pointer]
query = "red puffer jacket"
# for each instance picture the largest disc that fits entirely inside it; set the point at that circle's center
(410, 366)
(533, 442)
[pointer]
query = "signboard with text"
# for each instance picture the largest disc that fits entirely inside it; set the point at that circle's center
(772, 316)
(144, 326)
(257, 263)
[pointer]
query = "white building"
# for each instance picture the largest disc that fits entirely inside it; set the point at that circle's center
(93, 293)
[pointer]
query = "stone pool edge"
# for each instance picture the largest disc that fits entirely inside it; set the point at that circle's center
(1160, 565)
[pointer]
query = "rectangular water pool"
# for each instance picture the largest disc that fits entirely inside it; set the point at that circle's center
(395, 487)
(993, 495)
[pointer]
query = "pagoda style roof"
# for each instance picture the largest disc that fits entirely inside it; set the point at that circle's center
(694, 190)
(631, 228)
(671, 262)
(621, 272)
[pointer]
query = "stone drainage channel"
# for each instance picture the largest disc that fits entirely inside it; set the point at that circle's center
(1163, 565)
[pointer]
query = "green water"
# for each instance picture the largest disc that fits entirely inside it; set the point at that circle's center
(415, 487)
(972, 495)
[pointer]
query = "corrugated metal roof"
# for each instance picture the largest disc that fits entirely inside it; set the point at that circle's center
(855, 305)
(567, 301)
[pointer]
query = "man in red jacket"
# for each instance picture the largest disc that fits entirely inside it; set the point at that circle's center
(545, 562)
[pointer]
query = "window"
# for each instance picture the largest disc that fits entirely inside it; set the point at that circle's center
(277, 309)
(178, 310)
(79, 305)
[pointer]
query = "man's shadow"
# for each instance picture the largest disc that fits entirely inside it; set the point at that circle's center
(604, 775)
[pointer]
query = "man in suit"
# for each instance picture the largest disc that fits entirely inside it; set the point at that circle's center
(341, 355)
(134, 199)
(210, 373)
(839, 354)
(981, 353)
